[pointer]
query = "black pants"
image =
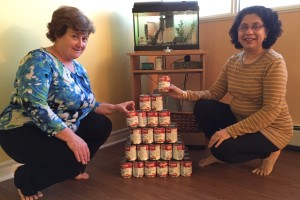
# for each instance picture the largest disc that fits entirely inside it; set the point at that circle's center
(48, 160)
(213, 116)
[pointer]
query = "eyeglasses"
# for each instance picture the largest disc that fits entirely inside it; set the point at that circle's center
(253, 27)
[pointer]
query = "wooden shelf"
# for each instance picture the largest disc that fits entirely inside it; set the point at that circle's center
(137, 72)
(167, 71)
(172, 53)
(169, 57)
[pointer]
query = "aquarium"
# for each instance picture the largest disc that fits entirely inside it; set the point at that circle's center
(166, 25)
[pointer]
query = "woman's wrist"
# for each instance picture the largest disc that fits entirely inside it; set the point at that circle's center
(184, 95)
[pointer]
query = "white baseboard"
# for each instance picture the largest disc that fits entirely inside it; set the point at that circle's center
(295, 141)
(8, 168)
(116, 137)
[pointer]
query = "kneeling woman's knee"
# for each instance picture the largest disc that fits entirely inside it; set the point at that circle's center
(107, 125)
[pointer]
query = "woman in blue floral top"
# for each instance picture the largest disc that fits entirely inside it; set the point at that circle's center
(53, 124)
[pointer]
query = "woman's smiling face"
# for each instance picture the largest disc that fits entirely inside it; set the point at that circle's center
(72, 43)
(251, 33)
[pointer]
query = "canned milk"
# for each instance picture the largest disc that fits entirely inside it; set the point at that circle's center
(135, 136)
(132, 119)
(159, 134)
(147, 135)
(152, 118)
(157, 102)
(126, 169)
(138, 169)
(164, 118)
(130, 152)
(145, 102)
(164, 83)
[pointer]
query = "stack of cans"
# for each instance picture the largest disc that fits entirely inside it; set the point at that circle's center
(154, 148)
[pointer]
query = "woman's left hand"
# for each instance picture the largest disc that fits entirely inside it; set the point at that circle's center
(126, 106)
(218, 137)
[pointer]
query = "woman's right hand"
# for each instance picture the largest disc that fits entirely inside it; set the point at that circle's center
(77, 145)
(80, 149)
(175, 92)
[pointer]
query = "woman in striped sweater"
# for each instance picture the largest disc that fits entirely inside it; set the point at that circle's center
(256, 124)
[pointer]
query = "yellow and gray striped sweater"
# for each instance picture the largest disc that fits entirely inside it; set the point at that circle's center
(258, 93)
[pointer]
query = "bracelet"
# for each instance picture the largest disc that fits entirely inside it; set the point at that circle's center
(184, 94)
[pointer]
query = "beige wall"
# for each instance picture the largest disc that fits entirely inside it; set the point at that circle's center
(23, 27)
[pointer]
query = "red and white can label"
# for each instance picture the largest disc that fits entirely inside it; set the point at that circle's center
(135, 136)
(130, 152)
(159, 134)
(145, 102)
(132, 119)
(174, 168)
(162, 168)
(164, 118)
(150, 168)
(154, 151)
(126, 169)
(152, 118)
(138, 169)
(147, 135)
(171, 134)
(157, 102)
(166, 151)
(186, 168)
(164, 83)
(142, 152)
(178, 151)
(142, 118)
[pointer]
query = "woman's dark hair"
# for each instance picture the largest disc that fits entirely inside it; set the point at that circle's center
(68, 17)
(271, 23)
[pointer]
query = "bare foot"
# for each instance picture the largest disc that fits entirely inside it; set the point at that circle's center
(208, 161)
(267, 164)
(83, 175)
(33, 197)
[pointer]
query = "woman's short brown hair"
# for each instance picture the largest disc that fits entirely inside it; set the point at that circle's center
(68, 17)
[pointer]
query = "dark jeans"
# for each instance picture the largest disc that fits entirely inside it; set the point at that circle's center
(48, 160)
(213, 116)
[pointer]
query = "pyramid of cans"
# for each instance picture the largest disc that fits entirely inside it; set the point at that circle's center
(154, 148)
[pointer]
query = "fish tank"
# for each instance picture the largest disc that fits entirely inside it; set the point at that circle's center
(166, 25)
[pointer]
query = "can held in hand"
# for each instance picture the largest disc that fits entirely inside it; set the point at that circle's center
(164, 82)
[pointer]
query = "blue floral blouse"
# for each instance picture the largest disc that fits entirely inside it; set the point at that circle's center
(48, 95)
